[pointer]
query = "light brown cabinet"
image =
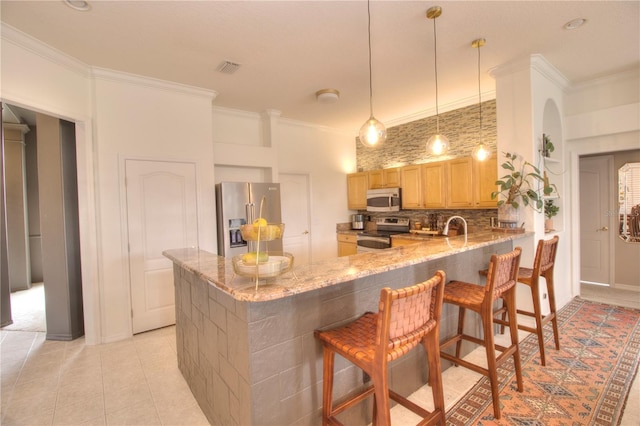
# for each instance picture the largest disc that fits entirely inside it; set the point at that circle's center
(399, 241)
(357, 184)
(434, 185)
(460, 183)
(384, 178)
(485, 175)
(347, 244)
(411, 184)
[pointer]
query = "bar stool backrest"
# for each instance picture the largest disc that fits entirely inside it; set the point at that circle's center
(545, 256)
(503, 273)
(406, 315)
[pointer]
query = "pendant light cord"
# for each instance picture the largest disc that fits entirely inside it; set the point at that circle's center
(479, 94)
(435, 56)
(370, 72)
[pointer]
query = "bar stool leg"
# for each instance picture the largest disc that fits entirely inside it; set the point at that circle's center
(327, 388)
(487, 326)
(432, 346)
(381, 386)
(537, 313)
(461, 315)
(510, 300)
(552, 307)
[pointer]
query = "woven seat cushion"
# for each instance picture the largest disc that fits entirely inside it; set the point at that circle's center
(525, 273)
(461, 293)
(356, 339)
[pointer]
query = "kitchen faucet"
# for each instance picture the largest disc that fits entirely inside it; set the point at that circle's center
(445, 231)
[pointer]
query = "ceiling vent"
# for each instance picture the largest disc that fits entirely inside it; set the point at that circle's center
(228, 67)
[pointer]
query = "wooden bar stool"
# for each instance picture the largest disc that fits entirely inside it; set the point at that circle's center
(501, 283)
(542, 266)
(406, 318)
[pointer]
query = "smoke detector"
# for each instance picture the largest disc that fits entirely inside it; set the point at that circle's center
(327, 96)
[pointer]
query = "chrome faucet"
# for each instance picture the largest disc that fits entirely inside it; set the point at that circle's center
(445, 231)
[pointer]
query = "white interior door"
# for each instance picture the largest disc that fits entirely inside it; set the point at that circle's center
(161, 215)
(294, 196)
(596, 212)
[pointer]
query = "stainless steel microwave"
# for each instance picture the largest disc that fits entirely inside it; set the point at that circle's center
(383, 200)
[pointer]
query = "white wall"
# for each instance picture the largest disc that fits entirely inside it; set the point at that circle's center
(144, 119)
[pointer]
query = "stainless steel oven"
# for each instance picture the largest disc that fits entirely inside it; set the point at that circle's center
(380, 239)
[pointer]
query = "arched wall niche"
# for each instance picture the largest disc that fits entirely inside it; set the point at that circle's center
(552, 166)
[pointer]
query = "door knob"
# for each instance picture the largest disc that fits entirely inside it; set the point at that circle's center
(305, 232)
(604, 228)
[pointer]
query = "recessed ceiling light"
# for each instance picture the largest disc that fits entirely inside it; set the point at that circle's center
(574, 23)
(78, 5)
(327, 96)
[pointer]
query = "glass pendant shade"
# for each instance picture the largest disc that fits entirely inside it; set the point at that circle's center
(481, 152)
(438, 144)
(372, 133)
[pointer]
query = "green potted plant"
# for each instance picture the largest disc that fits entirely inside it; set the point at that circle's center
(547, 146)
(523, 185)
(550, 210)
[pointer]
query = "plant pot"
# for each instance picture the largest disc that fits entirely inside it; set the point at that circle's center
(508, 216)
(548, 224)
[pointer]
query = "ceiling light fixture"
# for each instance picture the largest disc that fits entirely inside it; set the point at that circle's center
(80, 5)
(480, 152)
(575, 23)
(372, 133)
(437, 144)
(327, 96)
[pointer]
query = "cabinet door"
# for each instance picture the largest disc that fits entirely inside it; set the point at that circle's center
(357, 184)
(347, 245)
(460, 183)
(391, 178)
(412, 187)
(376, 179)
(485, 176)
(433, 184)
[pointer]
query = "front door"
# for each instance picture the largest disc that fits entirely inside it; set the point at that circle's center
(161, 215)
(596, 212)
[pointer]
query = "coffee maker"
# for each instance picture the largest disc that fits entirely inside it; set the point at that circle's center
(357, 221)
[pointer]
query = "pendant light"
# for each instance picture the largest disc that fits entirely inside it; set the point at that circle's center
(480, 152)
(372, 133)
(437, 144)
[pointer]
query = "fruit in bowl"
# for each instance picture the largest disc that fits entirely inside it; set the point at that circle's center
(252, 256)
(267, 231)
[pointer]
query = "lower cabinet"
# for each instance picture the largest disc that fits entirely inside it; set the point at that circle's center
(347, 244)
(399, 241)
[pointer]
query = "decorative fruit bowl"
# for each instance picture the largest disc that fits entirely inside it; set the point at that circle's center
(267, 266)
(262, 232)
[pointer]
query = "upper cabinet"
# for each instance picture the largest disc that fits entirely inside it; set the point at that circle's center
(434, 185)
(411, 184)
(357, 184)
(460, 183)
(384, 178)
(485, 175)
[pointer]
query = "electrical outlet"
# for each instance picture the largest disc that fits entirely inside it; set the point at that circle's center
(544, 295)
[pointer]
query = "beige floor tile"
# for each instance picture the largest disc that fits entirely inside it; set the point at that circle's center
(78, 410)
(183, 416)
(136, 393)
(142, 414)
(28, 417)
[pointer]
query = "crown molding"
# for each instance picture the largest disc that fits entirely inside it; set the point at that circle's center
(535, 62)
(16, 37)
(144, 81)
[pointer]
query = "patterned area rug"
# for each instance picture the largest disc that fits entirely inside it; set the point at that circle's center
(586, 382)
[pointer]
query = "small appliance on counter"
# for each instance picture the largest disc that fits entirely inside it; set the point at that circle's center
(357, 221)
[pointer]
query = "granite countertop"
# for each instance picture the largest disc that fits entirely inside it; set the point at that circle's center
(219, 271)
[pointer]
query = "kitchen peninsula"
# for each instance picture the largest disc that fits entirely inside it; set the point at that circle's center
(249, 355)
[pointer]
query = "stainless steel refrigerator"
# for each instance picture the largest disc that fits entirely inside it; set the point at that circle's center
(238, 203)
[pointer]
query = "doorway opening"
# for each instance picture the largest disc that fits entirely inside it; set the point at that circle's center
(31, 187)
